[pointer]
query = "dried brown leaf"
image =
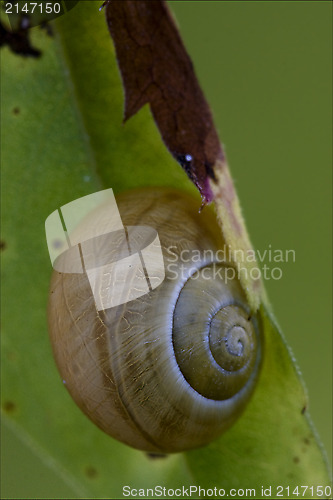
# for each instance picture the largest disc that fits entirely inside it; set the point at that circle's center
(156, 69)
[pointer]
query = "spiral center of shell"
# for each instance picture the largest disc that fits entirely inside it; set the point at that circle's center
(214, 340)
(234, 340)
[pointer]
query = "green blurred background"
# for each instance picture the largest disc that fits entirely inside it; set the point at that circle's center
(266, 69)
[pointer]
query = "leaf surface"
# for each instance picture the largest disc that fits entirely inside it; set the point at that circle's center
(62, 139)
(63, 136)
(273, 444)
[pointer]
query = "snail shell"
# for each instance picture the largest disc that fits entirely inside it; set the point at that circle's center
(174, 368)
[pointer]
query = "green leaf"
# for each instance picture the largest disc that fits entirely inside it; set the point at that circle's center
(273, 444)
(63, 136)
(62, 139)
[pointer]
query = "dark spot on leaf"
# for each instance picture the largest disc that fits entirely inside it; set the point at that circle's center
(16, 111)
(185, 161)
(9, 407)
(306, 441)
(303, 410)
(47, 27)
(296, 460)
(210, 171)
(91, 472)
(18, 41)
(154, 456)
(3, 245)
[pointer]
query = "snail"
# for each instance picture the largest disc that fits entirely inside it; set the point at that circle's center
(174, 368)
